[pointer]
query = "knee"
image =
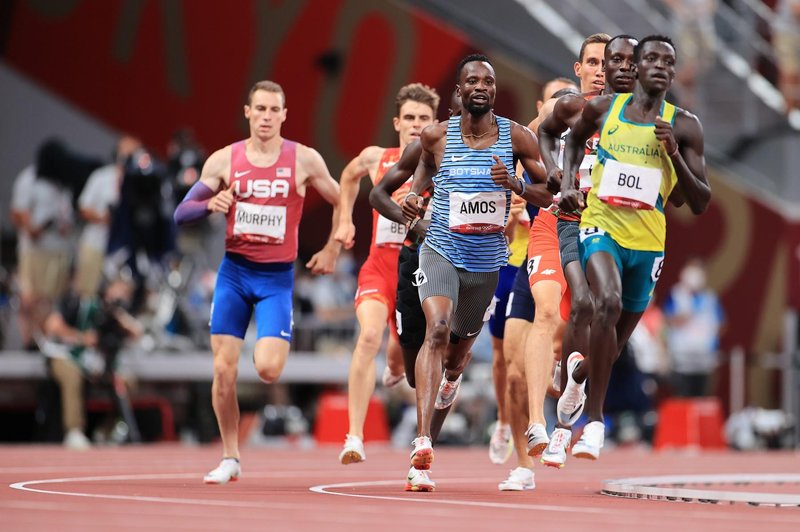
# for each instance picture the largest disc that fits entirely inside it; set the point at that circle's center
(517, 387)
(268, 372)
(547, 316)
(438, 334)
(370, 338)
(225, 374)
(608, 307)
(582, 309)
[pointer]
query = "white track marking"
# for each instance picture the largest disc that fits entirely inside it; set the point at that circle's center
(673, 487)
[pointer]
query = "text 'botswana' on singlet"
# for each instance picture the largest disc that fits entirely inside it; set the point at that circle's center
(469, 211)
(265, 217)
(385, 232)
(631, 180)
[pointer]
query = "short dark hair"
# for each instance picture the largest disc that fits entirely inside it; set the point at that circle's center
(563, 92)
(637, 50)
(621, 36)
(596, 38)
(269, 86)
(469, 59)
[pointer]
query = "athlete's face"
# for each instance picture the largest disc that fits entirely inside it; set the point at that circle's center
(265, 113)
(590, 70)
(477, 87)
(414, 117)
(619, 67)
(656, 66)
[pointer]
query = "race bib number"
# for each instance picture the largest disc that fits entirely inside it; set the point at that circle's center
(588, 232)
(628, 185)
(477, 213)
(260, 223)
(389, 232)
(585, 171)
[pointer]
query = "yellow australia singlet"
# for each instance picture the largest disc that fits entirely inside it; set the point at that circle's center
(519, 246)
(631, 181)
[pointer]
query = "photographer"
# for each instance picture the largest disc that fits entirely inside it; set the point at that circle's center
(82, 339)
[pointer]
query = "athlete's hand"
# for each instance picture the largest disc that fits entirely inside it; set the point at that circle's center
(222, 201)
(665, 134)
(517, 206)
(324, 261)
(345, 234)
(411, 206)
(571, 200)
(554, 180)
(501, 177)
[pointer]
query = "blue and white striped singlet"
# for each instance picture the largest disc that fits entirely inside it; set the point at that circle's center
(466, 172)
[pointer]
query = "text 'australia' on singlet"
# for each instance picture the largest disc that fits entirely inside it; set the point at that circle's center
(631, 180)
(385, 232)
(265, 217)
(469, 211)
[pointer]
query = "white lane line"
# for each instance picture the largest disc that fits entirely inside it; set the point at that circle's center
(673, 487)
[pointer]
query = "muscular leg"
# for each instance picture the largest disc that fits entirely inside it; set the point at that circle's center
(223, 391)
(604, 279)
(394, 356)
(372, 315)
(539, 346)
(514, 343)
(576, 335)
(499, 378)
(438, 313)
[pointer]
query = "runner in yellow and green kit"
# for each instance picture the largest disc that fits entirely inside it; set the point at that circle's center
(647, 147)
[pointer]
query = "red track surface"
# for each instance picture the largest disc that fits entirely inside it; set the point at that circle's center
(160, 487)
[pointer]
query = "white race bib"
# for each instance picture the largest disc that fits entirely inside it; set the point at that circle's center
(585, 171)
(477, 213)
(260, 223)
(628, 185)
(389, 232)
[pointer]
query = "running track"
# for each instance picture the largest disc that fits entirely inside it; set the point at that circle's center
(159, 487)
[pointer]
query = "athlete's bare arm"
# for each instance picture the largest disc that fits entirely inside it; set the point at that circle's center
(312, 170)
(432, 140)
(381, 195)
(526, 150)
(685, 147)
(565, 111)
(587, 125)
(364, 164)
(215, 175)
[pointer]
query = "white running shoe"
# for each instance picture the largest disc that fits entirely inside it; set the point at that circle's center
(353, 451)
(570, 404)
(537, 439)
(422, 455)
(227, 470)
(590, 442)
(501, 446)
(519, 479)
(447, 392)
(557, 377)
(76, 440)
(389, 380)
(556, 453)
(419, 481)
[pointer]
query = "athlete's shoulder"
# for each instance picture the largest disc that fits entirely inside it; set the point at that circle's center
(434, 133)
(570, 105)
(220, 159)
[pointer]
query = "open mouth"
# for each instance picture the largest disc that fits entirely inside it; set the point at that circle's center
(480, 98)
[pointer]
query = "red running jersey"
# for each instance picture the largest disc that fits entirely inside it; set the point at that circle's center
(265, 217)
(385, 232)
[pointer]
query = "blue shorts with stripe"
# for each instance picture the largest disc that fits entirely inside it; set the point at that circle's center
(520, 301)
(245, 289)
(497, 319)
(639, 270)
